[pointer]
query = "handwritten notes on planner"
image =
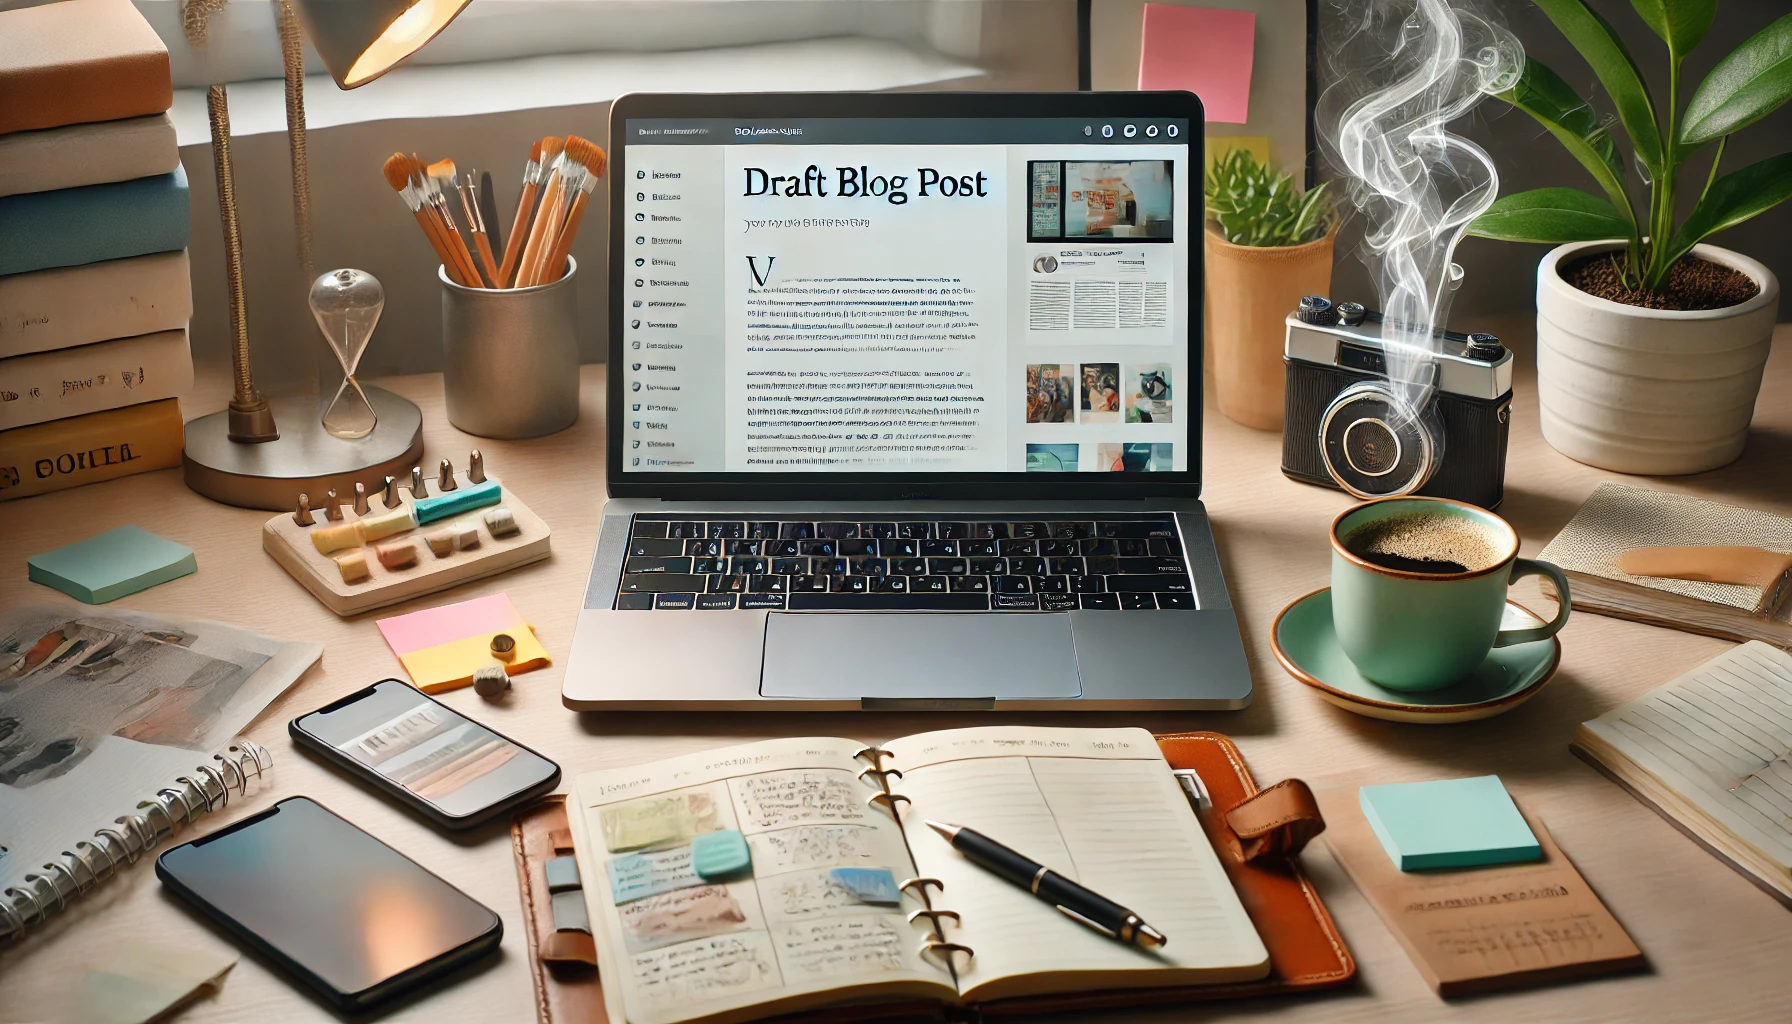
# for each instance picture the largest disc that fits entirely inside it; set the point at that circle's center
(817, 909)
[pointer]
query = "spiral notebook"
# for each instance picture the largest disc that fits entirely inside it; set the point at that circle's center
(806, 926)
(128, 838)
(111, 718)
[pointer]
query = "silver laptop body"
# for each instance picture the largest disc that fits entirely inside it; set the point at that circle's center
(1004, 586)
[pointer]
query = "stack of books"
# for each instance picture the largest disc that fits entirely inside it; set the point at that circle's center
(94, 288)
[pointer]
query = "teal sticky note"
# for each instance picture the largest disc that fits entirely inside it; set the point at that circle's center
(719, 854)
(110, 565)
(1450, 823)
(875, 886)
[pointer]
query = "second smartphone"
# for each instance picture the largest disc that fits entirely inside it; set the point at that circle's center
(453, 770)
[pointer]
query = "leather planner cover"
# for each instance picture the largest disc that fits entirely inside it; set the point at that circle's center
(1258, 834)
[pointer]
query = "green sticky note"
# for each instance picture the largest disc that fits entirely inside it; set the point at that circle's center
(1451, 823)
(719, 854)
(110, 565)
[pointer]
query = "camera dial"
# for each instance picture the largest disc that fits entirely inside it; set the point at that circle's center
(1316, 310)
(1351, 313)
(1376, 444)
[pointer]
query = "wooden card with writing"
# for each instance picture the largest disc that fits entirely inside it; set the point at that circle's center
(1482, 929)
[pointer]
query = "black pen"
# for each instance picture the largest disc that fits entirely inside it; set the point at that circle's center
(1076, 902)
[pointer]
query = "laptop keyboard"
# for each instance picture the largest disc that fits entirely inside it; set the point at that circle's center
(1107, 564)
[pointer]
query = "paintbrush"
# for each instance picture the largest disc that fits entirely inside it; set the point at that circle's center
(441, 177)
(487, 198)
(553, 159)
(591, 157)
(397, 170)
(525, 208)
(469, 204)
(571, 173)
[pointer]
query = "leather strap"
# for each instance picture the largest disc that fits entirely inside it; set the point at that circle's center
(1277, 822)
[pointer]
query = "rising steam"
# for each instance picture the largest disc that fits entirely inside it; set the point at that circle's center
(1399, 71)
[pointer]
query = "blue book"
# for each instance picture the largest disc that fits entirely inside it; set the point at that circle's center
(75, 226)
(1451, 823)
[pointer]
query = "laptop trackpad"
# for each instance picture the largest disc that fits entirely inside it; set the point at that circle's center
(844, 655)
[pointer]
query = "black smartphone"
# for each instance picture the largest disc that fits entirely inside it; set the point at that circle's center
(338, 909)
(406, 743)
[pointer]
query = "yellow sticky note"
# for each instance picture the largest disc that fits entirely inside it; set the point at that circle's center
(1219, 145)
(442, 647)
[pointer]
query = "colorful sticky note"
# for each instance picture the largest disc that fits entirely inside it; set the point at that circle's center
(442, 647)
(1218, 146)
(638, 875)
(1450, 823)
(869, 885)
(1203, 50)
(107, 566)
(717, 855)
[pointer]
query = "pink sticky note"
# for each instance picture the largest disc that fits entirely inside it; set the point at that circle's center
(1206, 51)
(406, 634)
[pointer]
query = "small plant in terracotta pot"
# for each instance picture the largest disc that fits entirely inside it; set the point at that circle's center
(1650, 343)
(1268, 243)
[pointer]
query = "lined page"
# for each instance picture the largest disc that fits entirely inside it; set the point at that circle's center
(1099, 806)
(785, 935)
(1718, 737)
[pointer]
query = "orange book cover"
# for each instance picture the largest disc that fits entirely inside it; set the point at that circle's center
(84, 449)
(79, 61)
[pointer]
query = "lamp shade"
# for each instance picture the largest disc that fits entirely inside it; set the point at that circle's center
(361, 40)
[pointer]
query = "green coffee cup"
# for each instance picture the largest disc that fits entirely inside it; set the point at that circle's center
(1416, 624)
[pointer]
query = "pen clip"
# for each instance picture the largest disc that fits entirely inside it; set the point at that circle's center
(1080, 919)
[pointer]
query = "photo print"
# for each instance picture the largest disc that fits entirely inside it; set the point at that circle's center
(1148, 393)
(1049, 398)
(1134, 457)
(1130, 200)
(1099, 393)
(1051, 458)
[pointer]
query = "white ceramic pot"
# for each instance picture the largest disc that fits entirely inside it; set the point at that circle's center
(1650, 391)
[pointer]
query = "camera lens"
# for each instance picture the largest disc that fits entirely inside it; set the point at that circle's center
(1375, 444)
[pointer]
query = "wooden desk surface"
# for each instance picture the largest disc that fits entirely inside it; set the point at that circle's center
(1718, 946)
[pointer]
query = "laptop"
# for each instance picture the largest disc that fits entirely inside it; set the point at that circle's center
(904, 408)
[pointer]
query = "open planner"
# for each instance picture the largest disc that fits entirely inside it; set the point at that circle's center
(849, 898)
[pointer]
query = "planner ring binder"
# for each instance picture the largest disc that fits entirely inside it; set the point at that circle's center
(49, 889)
(936, 946)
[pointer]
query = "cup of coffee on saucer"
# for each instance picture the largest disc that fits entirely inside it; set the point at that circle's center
(1419, 590)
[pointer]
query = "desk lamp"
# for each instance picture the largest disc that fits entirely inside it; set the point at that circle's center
(260, 453)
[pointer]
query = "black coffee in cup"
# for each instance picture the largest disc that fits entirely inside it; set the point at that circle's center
(1436, 544)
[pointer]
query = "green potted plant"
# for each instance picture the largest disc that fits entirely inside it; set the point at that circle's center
(1650, 342)
(1268, 243)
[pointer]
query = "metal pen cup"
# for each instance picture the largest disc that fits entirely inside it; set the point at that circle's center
(511, 366)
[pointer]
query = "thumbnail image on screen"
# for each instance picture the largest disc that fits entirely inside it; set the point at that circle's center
(1127, 200)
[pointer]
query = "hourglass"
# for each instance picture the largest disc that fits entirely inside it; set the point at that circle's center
(347, 305)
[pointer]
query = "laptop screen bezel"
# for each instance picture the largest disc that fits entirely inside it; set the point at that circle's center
(898, 485)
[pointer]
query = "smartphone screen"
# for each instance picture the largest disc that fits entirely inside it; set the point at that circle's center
(332, 901)
(456, 765)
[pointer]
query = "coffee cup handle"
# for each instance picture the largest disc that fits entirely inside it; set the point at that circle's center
(1527, 567)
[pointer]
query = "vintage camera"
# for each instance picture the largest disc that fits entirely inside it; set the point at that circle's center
(1439, 428)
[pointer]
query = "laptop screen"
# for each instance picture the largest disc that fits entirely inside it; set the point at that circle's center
(907, 295)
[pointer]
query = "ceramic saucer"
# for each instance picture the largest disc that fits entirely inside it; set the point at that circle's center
(1308, 648)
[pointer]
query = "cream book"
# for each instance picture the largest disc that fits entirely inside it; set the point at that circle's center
(87, 154)
(64, 307)
(48, 386)
(1617, 518)
(1709, 752)
(850, 899)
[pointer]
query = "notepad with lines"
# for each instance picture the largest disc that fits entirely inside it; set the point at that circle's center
(1097, 804)
(1711, 751)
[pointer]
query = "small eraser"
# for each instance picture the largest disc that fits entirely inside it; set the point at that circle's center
(466, 536)
(875, 886)
(335, 538)
(441, 543)
(501, 522)
(396, 521)
(563, 873)
(569, 912)
(353, 565)
(397, 554)
(717, 855)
